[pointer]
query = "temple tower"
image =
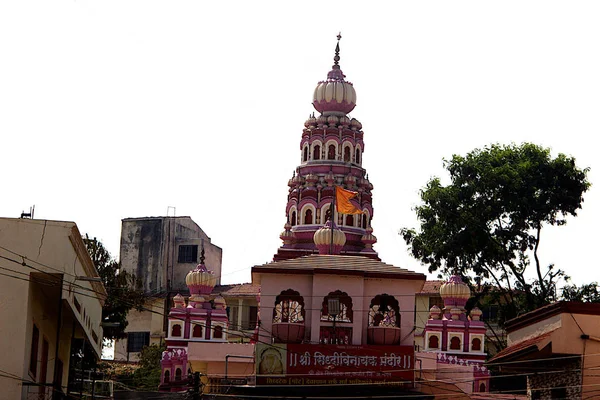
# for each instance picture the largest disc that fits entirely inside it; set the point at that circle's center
(331, 150)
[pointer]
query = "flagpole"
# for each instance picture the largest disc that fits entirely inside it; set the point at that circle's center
(332, 217)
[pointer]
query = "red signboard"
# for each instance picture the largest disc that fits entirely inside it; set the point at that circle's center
(314, 364)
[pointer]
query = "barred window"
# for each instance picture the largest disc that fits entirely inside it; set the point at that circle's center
(137, 340)
(188, 254)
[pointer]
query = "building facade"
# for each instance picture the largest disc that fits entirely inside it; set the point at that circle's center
(557, 347)
(159, 251)
(49, 296)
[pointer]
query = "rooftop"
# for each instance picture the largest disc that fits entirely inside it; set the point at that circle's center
(338, 264)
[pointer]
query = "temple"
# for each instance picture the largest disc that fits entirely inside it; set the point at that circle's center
(331, 152)
(332, 317)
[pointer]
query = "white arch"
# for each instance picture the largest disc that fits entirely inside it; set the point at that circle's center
(303, 213)
(345, 145)
(312, 149)
(331, 142)
(292, 210)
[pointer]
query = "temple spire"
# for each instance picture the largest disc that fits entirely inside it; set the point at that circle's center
(336, 58)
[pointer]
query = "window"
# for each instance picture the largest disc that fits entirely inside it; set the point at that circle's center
(434, 342)
(293, 221)
(305, 157)
(35, 342)
(178, 374)
(253, 317)
(345, 314)
(349, 220)
(317, 153)
(331, 152)
(188, 254)
(289, 307)
(308, 217)
(167, 377)
(357, 158)
(476, 344)
(364, 221)
(384, 311)
(137, 340)
(559, 393)
(218, 332)
(482, 387)
(176, 330)
(197, 332)
(455, 343)
(346, 154)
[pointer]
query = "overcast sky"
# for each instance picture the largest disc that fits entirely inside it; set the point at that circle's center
(116, 109)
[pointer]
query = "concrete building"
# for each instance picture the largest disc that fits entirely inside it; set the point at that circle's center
(46, 300)
(160, 251)
(557, 347)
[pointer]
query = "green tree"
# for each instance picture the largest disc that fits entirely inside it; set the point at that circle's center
(587, 293)
(147, 376)
(124, 290)
(486, 224)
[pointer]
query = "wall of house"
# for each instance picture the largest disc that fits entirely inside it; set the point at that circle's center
(565, 384)
(421, 317)
(239, 318)
(570, 342)
(361, 290)
(271, 286)
(534, 329)
(142, 321)
(404, 291)
(50, 251)
(150, 249)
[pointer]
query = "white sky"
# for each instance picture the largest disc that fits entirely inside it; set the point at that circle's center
(115, 109)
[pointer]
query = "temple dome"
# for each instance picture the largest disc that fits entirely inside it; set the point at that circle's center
(335, 95)
(323, 239)
(455, 292)
(200, 280)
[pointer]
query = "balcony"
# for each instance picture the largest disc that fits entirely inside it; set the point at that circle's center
(383, 335)
(288, 332)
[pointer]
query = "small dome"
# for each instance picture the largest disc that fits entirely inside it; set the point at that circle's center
(287, 235)
(476, 314)
(323, 239)
(434, 312)
(335, 95)
(220, 303)
(368, 238)
(455, 292)
(200, 280)
(455, 312)
(179, 301)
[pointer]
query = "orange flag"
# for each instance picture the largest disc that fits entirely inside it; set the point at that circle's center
(343, 204)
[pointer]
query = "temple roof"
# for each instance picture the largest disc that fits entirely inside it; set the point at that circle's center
(237, 290)
(338, 264)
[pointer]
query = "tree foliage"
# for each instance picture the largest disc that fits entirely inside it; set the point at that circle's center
(587, 293)
(124, 291)
(487, 222)
(148, 375)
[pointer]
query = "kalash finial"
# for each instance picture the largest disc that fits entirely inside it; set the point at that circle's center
(336, 59)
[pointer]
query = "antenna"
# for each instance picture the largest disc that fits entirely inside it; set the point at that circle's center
(29, 214)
